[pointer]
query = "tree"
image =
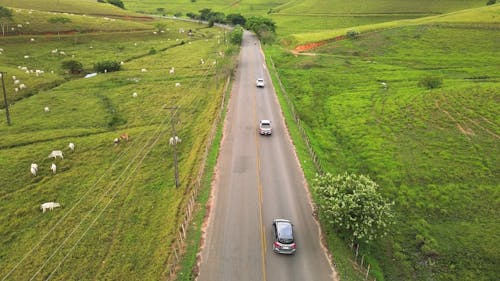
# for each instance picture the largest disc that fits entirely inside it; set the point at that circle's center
(107, 66)
(236, 19)
(160, 27)
(73, 66)
(5, 18)
(117, 3)
(236, 36)
(264, 28)
(59, 21)
(258, 23)
(352, 205)
(205, 14)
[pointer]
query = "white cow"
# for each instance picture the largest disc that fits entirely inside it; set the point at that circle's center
(134, 95)
(71, 146)
(56, 153)
(49, 205)
(177, 84)
(174, 140)
(172, 70)
(46, 109)
(53, 167)
(34, 169)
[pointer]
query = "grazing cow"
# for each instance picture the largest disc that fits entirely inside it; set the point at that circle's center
(134, 95)
(34, 169)
(53, 167)
(116, 141)
(56, 153)
(71, 146)
(172, 70)
(124, 136)
(144, 70)
(46, 109)
(174, 140)
(49, 206)
(177, 84)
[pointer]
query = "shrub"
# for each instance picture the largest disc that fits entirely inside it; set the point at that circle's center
(107, 66)
(152, 51)
(491, 2)
(236, 35)
(430, 82)
(117, 3)
(73, 66)
(352, 34)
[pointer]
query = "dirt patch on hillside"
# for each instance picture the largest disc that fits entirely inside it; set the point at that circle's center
(310, 46)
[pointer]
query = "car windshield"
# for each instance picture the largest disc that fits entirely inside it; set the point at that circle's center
(260, 80)
(265, 126)
(285, 233)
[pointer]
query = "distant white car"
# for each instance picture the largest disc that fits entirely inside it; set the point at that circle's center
(265, 127)
(260, 83)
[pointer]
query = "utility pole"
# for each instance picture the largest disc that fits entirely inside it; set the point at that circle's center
(173, 141)
(5, 98)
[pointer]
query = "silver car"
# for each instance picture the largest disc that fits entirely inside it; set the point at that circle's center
(265, 127)
(283, 240)
(260, 83)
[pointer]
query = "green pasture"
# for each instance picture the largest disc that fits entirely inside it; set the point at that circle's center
(434, 152)
(87, 7)
(32, 22)
(253, 7)
(120, 208)
(487, 17)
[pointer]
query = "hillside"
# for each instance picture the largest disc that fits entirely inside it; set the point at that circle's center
(88, 7)
(484, 16)
(433, 150)
(120, 209)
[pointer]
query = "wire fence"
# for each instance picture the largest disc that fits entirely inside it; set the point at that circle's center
(179, 243)
(362, 265)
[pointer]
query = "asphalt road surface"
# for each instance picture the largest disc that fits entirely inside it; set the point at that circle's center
(258, 178)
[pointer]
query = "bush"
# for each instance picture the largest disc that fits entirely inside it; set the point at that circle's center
(236, 36)
(491, 2)
(430, 82)
(73, 66)
(107, 66)
(352, 34)
(152, 51)
(117, 3)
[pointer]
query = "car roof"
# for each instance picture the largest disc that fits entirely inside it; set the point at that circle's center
(284, 228)
(265, 121)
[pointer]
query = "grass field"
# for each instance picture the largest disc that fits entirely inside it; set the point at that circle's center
(120, 208)
(434, 152)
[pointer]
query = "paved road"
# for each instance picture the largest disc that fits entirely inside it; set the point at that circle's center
(258, 179)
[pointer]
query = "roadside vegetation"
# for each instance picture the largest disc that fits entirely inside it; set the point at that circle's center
(119, 201)
(415, 108)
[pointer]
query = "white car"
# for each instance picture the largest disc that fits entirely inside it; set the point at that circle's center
(260, 83)
(265, 127)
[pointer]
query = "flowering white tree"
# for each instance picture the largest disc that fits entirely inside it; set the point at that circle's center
(352, 205)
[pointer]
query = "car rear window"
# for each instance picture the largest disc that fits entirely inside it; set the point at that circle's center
(285, 232)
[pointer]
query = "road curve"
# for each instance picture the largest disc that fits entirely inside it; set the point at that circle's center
(258, 178)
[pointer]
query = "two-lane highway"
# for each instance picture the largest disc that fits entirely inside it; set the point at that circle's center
(258, 179)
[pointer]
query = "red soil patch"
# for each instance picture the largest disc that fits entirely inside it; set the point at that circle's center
(314, 45)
